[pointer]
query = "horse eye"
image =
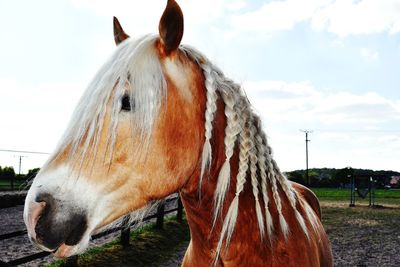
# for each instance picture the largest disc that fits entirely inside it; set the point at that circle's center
(126, 103)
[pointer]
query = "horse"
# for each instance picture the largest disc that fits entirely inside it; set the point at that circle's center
(159, 117)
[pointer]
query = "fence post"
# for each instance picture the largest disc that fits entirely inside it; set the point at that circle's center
(160, 216)
(179, 214)
(125, 231)
(370, 191)
(352, 191)
(71, 261)
(373, 192)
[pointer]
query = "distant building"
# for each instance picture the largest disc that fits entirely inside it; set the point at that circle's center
(394, 181)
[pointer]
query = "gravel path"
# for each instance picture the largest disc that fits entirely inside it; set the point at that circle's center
(363, 236)
(11, 220)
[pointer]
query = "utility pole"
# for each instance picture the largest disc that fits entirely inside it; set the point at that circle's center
(20, 159)
(20, 163)
(307, 140)
(19, 170)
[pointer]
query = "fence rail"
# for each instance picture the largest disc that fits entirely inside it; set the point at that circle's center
(124, 236)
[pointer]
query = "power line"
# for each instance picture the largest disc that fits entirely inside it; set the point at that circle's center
(357, 131)
(307, 140)
(23, 151)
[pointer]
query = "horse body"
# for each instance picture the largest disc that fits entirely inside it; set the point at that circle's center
(160, 118)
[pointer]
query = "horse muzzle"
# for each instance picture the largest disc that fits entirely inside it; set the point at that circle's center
(54, 225)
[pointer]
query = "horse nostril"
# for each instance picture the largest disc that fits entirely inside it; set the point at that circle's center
(35, 211)
(44, 221)
(77, 229)
(57, 223)
(46, 198)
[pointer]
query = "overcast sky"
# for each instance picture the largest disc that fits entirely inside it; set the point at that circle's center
(328, 66)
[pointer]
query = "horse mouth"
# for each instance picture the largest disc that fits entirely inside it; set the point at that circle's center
(64, 251)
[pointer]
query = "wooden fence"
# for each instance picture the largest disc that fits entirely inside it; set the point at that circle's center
(124, 229)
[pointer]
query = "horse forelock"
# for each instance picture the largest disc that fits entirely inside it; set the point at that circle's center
(133, 69)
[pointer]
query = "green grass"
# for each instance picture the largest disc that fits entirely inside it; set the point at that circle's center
(149, 247)
(6, 185)
(382, 196)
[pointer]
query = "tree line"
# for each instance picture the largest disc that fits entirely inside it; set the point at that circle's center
(330, 177)
(7, 173)
(319, 177)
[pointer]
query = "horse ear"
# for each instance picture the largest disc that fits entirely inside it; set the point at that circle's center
(119, 34)
(171, 27)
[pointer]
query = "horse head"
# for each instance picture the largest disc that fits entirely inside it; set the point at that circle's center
(135, 137)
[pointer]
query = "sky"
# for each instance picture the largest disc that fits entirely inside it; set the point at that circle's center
(331, 66)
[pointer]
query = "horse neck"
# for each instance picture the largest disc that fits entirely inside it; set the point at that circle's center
(199, 206)
(286, 209)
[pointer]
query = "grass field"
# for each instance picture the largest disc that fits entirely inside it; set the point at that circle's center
(6, 185)
(382, 196)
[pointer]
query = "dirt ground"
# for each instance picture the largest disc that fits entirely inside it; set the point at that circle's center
(363, 236)
(360, 236)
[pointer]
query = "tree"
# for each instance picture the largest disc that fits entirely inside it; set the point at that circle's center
(32, 173)
(7, 173)
(342, 176)
(296, 176)
(313, 176)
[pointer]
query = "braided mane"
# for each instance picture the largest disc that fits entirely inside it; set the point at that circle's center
(256, 164)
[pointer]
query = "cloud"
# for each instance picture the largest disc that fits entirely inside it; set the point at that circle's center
(275, 16)
(369, 55)
(349, 129)
(34, 116)
(341, 17)
(203, 18)
(147, 13)
(344, 17)
(296, 101)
